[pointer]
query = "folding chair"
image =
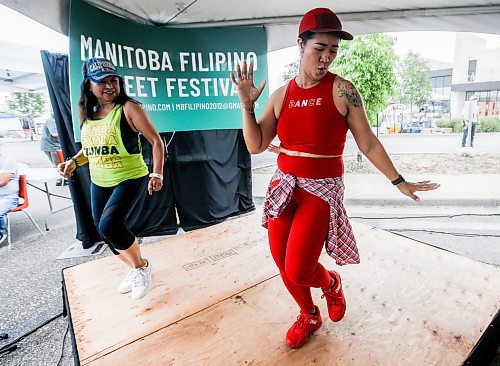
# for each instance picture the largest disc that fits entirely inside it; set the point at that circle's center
(60, 156)
(23, 204)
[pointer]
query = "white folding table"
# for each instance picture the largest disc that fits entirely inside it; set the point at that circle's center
(44, 175)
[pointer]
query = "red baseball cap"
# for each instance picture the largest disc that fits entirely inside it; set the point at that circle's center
(321, 20)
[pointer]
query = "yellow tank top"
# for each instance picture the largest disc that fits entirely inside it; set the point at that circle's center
(109, 161)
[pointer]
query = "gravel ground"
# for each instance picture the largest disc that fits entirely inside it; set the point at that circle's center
(31, 294)
(446, 164)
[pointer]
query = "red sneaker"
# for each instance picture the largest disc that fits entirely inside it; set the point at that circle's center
(306, 324)
(335, 299)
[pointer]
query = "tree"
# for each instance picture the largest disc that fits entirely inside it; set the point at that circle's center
(368, 62)
(28, 105)
(413, 86)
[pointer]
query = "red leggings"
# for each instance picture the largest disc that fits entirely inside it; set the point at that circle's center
(296, 239)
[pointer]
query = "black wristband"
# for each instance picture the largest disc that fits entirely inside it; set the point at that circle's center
(398, 180)
(74, 159)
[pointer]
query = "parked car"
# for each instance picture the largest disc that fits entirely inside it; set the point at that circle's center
(413, 127)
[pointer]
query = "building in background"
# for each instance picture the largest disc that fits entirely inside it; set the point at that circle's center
(474, 71)
(441, 80)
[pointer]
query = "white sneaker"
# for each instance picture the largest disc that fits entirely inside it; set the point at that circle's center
(126, 285)
(141, 281)
(3, 237)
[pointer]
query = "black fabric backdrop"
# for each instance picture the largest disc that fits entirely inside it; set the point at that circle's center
(207, 174)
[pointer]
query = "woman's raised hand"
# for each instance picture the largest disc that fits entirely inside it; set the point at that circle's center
(247, 91)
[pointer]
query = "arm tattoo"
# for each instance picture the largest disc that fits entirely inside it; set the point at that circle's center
(348, 91)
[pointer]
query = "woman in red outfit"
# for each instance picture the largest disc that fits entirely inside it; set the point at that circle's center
(304, 203)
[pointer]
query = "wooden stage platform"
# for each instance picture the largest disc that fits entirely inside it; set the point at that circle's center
(217, 299)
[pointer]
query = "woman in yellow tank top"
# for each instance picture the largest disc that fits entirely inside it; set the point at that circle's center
(110, 125)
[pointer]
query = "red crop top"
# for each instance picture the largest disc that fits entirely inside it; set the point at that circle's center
(310, 122)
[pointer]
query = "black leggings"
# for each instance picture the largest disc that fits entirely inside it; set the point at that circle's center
(110, 208)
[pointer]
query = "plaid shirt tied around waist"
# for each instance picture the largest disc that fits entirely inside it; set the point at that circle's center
(340, 243)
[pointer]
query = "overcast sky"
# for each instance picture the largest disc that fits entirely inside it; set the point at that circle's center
(17, 28)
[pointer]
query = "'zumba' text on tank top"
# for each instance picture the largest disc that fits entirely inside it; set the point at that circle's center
(110, 162)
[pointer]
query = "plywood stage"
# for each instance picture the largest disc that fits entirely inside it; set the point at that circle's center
(217, 299)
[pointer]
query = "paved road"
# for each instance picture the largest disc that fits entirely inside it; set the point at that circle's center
(411, 143)
(472, 232)
(24, 151)
(29, 151)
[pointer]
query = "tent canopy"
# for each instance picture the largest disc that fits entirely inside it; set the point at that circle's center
(281, 17)
(18, 71)
(19, 81)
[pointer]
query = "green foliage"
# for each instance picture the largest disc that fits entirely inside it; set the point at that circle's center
(29, 105)
(291, 70)
(486, 124)
(413, 86)
(456, 124)
(489, 124)
(368, 62)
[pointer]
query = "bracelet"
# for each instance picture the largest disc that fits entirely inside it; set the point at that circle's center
(156, 175)
(398, 180)
(74, 159)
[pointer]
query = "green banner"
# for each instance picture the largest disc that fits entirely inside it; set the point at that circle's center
(181, 76)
